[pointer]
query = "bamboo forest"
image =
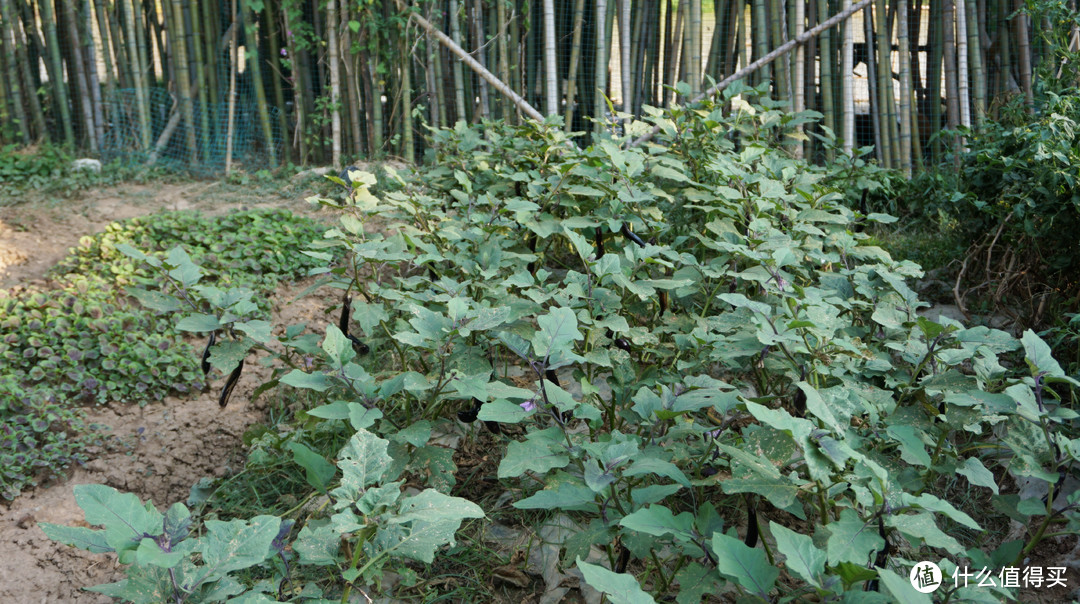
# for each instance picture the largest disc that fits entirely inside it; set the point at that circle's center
(211, 82)
(540, 301)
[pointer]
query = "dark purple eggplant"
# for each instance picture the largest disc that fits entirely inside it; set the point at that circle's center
(631, 235)
(359, 347)
(206, 353)
(751, 523)
(234, 377)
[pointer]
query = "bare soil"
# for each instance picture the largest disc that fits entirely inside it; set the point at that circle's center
(158, 451)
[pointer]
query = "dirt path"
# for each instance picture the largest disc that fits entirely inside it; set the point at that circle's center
(163, 448)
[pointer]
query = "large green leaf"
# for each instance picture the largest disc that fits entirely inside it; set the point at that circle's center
(749, 567)
(620, 588)
(802, 557)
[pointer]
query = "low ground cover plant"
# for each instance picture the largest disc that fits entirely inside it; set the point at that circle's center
(86, 340)
(689, 351)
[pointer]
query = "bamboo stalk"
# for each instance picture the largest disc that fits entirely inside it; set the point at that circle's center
(27, 74)
(5, 117)
(847, 82)
(12, 71)
(335, 83)
(876, 112)
(600, 69)
(551, 71)
(375, 103)
(406, 98)
(256, 78)
(1023, 43)
(175, 22)
(459, 76)
(761, 40)
(352, 81)
(976, 61)
(297, 72)
(905, 87)
(933, 75)
(106, 46)
(90, 58)
(60, 93)
(80, 75)
(915, 32)
(477, 22)
(273, 37)
(694, 64)
(637, 55)
(886, 113)
(202, 85)
(828, 63)
(234, 62)
(798, 73)
(575, 59)
(504, 55)
(780, 71)
(962, 64)
(145, 61)
(951, 88)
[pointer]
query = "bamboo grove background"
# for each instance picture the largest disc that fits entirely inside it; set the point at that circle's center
(208, 84)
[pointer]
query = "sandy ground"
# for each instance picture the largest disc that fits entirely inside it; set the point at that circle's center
(159, 450)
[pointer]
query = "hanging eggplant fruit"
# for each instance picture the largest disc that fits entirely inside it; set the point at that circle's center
(359, 347)
(206, 353)
(632, 236)
(469, 416)
(234, 377)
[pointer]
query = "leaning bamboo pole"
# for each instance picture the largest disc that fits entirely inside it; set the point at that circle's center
(479, 69)
(843, 15)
